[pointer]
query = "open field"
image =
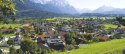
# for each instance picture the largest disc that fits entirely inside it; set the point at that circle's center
(8, 25)
(108, 26)
(109, 47)
(8, 35)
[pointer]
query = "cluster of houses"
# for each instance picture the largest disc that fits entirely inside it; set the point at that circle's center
(56, 30)
(52, 33)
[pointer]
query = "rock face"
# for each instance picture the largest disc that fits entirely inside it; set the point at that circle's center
(44, 7)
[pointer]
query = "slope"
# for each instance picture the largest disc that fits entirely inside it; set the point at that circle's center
(109, 47)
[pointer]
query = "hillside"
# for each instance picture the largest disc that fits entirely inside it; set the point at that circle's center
(109, 47)
(43, 8)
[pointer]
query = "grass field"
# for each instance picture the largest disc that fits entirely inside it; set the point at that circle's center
(107, 26)
(8, 35)
(8, 25)
(109, 47)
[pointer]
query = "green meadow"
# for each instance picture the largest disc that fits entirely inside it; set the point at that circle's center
(10, 25)
(108, 47)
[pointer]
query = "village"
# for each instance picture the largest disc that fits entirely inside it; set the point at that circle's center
(43, 36)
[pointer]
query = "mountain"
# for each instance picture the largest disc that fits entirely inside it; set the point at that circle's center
(51, 8)
(104, 11)
(109, 10)
(57, 7)
(85, 10)
(38, 14)
(63, 6)
(118, 11)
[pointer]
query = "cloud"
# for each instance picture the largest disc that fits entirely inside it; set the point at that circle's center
(94, 4)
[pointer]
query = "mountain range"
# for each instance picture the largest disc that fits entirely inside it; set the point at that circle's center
(106, 10)
(41, 8)
(51, 8)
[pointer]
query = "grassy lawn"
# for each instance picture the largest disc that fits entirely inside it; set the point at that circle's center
(8, 35)
(107, 26)
(8, 25)
(109, 47)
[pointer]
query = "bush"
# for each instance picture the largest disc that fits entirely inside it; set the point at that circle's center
(11, 42)
(1, 37)
(12, 50)
(95, 39)
(19, 51)
(69, 47)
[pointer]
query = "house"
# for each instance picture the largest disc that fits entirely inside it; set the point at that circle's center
(103, 38)
(121, 30)
(17, 39)
(7, 31)
(67, 28)
(55, 42)
(44, 35)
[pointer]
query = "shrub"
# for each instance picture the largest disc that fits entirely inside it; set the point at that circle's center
(95, 39)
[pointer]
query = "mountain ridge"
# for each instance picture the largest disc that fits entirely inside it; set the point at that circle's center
(56, 8)
(107, 10)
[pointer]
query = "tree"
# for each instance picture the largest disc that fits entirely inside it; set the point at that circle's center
(7, 8)
(11, 42)
(19, 51)
(25, 46)
(1, 37)
(69, 38)
(34, 48)
(25, 43)
(12, 50)
(13, 18)
(1, 18)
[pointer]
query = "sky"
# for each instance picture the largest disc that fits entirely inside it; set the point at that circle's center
(94, 4)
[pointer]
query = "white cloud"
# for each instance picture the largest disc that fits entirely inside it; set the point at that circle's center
(94, 4)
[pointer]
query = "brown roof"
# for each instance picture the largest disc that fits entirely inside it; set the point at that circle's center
(104, 38)
(44, 35)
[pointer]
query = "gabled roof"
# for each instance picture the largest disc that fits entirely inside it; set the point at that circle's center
(44, 35)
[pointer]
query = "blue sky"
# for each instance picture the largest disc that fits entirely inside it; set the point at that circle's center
(94, 4)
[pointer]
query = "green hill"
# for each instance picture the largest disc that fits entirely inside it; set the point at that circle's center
(109, 47)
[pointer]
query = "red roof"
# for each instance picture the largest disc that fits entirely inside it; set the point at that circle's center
(44, 35)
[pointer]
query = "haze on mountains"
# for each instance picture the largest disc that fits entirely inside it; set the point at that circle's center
(49, 8)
